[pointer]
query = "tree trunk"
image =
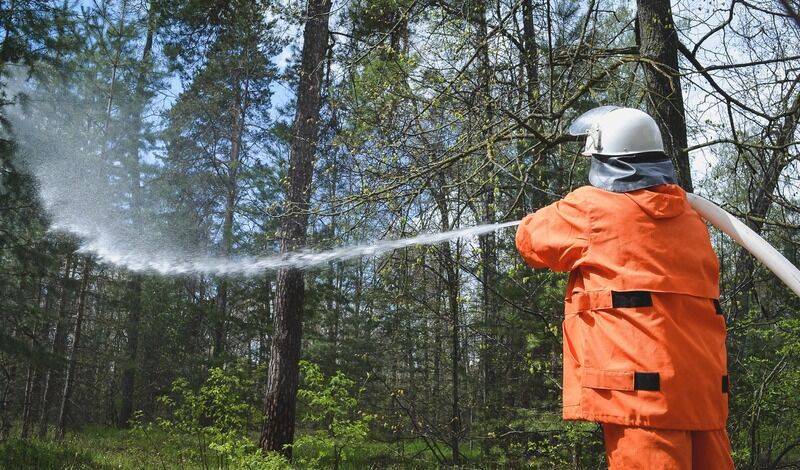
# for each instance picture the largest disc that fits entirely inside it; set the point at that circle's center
(488, 242)
(73, 357)
(220, 321)
(452, 285)
(193, 328)
(530, 54)
(128, 380)
(658, 44)
(438, 349)
(35, 372)
(220, 326)
(237, 129)
(280, 399)
(59, 338)
(263, 344)
(334, 278)
(5, 403)
(30, 381)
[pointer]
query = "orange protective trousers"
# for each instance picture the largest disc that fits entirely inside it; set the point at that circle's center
(634, 448)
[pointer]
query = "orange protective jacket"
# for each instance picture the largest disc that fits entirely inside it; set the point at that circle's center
(644, 334)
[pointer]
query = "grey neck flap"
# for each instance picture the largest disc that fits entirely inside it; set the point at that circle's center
(623, 173)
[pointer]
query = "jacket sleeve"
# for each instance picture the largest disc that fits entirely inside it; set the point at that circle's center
(555, 236)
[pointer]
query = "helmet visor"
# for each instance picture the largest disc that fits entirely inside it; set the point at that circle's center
(583, 123)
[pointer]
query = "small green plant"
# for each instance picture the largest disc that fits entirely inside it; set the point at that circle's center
(218, 418)
(329, 404)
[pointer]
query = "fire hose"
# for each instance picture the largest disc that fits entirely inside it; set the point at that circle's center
(749, 240)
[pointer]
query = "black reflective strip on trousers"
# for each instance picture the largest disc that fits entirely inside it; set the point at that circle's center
(649, 381)
(637, 298)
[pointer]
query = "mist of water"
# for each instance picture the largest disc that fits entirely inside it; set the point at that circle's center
(85, 193)
(168, 263)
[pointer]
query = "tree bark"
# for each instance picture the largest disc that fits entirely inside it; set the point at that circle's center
(280, 399)
(73, 357)
(658, 45)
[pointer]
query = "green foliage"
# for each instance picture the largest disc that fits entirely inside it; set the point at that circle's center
(377, 16)
(221, 402)
(217, 421)
(217, 418)
(330, 404)
(19, 453)
(540, 438)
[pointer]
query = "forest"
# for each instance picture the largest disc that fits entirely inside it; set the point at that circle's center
(172, 171)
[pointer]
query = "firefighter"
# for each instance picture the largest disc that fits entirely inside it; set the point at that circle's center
(644, 333)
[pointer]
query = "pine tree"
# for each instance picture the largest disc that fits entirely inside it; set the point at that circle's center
(219, 121)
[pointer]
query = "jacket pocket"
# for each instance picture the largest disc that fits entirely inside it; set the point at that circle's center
(622, 380)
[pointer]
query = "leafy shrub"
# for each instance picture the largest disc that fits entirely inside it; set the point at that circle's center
(330, 405)
(217, 418)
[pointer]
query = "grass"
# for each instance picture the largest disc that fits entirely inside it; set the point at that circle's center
(18, 453)
(105, 448)
(123, 449)
(100, 448)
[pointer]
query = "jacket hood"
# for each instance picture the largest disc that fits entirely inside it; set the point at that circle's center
(660, 202)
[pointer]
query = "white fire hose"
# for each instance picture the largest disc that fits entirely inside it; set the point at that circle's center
(750, 240)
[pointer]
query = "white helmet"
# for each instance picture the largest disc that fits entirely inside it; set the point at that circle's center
(612, 130)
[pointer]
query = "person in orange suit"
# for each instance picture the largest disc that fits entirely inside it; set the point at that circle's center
(644, 333)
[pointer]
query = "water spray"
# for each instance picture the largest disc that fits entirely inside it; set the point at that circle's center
(75, 189)
(249, 266)
(80, 201)
(83, 193)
